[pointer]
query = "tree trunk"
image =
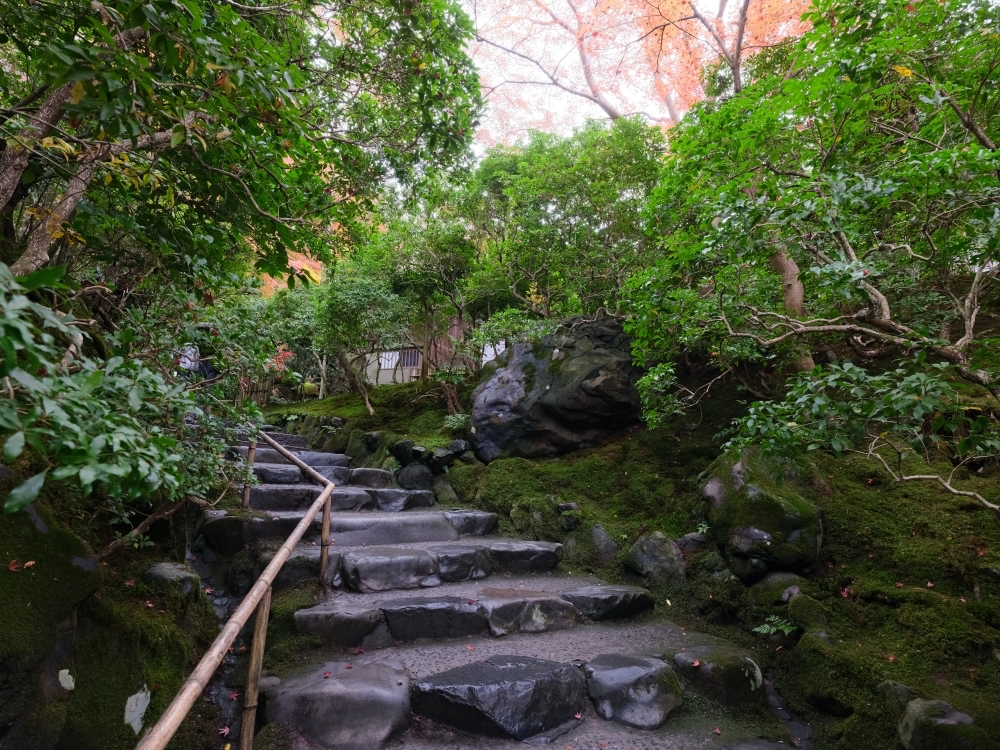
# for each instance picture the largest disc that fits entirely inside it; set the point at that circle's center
(14, 159)
(794, 294)
(353, 376)
(36, 255)
(425, 349)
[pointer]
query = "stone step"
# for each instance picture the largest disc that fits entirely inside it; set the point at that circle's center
(456, 610)
(301, 496)
(310, 458)
(226, 534)
(278, 473)
(627, 669)
(296, 442)
(384, 568)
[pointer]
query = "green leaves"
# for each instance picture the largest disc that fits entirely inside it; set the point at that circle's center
(44, 277)
(24, 493)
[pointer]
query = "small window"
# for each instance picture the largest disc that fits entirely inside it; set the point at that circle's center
(409, 358)
(388, 360)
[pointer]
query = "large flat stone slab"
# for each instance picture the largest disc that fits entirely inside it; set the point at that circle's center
(356, 529)
(386, 568)
(395, 500)
(471, 522)
(379, 478)
(309, 458)
(278, 473)
(339, 623)
(505, 696)
(460, 562)
(433, 617)
(638, 691)
(350, 709)
(609, 602)
(301, 496)
(526, 557)
(227, 534)
(339, 475)
(519, 611)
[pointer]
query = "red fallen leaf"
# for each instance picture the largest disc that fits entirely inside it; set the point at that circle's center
(471, 602)
(470, 648)
(962, 600)
(696, 663)
(14, 566)
(930, 585)
(604, 746)
(891, 659)
(899, 585)
(130, 583)
(357, 651)
(29, 564)
(911, 8)
(349, 666)
(235, 695)
(208, 591)
(224, 731)
(149, 604)
(326, 675)
(716, 731)
(846, 592)
(578, 716)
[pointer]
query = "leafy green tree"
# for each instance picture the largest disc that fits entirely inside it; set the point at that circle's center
(217, 125)
(848, 205)
(561, 216)
(357, 317)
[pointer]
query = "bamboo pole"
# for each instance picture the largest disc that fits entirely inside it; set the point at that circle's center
(324, 548)
(167, 726)
(251, 455)
(253, 679)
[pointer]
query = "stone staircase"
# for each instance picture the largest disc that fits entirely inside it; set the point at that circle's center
(443, 635)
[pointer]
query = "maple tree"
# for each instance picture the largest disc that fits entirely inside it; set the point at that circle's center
(618, 57)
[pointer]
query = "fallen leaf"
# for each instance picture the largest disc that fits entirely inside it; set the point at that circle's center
(930, 585)
(470, 648)
(962, 600)
(846, 592)
(899, 585)
(29, 564)
(14, 566)
(696, 663)
(224, 731)
(235, 695)
(149, 604)
(208, 591)
(130, 583)
(578, 716)
(326, 675)
(399, 682)
(891, 659)
(349, 666)
(357, 651)
(604, 746)
(716, 731)
(471, 601)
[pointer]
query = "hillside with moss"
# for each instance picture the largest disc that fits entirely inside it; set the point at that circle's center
(907, 586)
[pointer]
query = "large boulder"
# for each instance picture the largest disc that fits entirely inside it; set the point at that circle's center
(658, 558)
(759, 520)
(356, 708)
(638, 691)
(936, 725)
(504, 696)
(723, 671)
(565, 392)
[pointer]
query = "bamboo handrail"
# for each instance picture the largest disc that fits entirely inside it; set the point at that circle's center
(168, 724)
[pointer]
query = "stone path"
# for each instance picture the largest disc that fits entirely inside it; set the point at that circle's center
(433, 623)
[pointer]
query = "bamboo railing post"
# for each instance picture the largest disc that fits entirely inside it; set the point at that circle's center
(324, 548)
(251, 455)
(253, 679)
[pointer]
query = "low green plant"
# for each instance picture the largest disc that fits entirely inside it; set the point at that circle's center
(774, 625)
(456, 421)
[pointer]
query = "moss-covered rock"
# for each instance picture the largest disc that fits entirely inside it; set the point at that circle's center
(759, 519)
(807, 613)
(935, 725)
